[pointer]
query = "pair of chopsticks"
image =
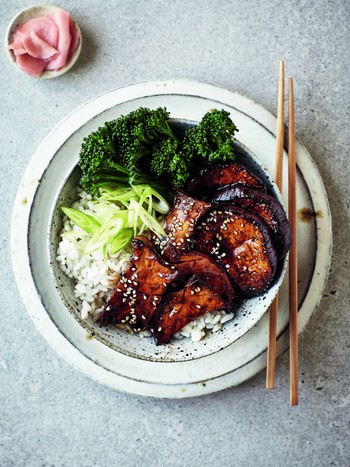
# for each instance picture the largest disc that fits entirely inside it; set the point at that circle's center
(293, 273)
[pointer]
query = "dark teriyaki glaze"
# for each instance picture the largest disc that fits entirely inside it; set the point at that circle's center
(215, 252)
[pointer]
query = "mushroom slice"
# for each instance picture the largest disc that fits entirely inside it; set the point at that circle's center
(240, 241)
(180, 308)
(214, 177)
(140, 288)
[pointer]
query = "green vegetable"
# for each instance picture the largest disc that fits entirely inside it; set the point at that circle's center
(87, 222)
(142, 148)
(116, 216)
(118, 151)
(212, 139)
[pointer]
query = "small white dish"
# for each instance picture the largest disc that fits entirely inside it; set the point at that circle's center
(27, 14)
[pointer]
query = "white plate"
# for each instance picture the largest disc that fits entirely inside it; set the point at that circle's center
(236, 362)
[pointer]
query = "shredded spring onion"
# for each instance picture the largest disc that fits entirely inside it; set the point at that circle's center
(117, 215)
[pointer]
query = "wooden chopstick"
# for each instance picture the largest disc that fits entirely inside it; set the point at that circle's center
(293, 258)
(271, 348)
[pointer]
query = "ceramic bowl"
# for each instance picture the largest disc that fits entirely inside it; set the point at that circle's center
(36, 11)
(246, 316)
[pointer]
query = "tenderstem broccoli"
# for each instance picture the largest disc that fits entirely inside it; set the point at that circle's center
(142, 148)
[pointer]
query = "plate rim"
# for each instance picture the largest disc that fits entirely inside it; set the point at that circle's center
(41, 318)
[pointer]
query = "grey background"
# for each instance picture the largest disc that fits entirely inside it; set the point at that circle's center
(50, 414)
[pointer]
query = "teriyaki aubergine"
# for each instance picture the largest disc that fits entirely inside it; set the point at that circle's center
(263, 205)
(140, 288)
(240, 241)
(214, 177)
(180, 224)
(224, 238)
(208, 271)
(182, 307)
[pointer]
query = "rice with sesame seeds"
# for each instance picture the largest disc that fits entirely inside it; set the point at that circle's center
(96, 278)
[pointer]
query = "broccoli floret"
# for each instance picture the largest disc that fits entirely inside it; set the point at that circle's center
(212, 139)
(170, 162)
(97, 147)
(136, 132)
(126, 142)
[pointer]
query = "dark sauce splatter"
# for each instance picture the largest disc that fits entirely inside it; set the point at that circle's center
(306, 215)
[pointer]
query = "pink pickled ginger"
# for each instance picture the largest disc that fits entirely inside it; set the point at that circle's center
(45, 43)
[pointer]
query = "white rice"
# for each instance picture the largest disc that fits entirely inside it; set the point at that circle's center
(95, 278)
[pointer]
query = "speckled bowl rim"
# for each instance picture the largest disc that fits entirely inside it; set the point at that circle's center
(190, 378)
(35, 11)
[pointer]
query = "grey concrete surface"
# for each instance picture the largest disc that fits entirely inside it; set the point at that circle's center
(50, 414)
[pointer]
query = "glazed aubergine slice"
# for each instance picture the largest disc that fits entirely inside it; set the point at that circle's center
(263, 205)
(140, 288)
(212, 178)
(241, 242)
(180, 308)
(180, 224)
(207, 270)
